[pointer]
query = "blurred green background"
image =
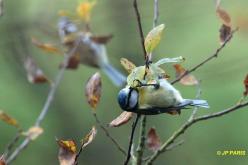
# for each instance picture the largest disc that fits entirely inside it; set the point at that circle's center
(192, 32)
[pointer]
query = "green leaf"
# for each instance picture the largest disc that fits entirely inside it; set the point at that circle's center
(153, 38)
(170, 60)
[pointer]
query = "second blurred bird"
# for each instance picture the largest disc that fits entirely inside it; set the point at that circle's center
(89, 50)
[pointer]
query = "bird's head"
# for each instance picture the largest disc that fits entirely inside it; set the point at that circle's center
(128, 98)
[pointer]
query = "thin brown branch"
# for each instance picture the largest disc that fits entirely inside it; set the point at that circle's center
(142, 139)
(121, 149)
(131, 139)
(188, 124)
(142, 39)
(47, 104)
(1, 8)
(207, 59)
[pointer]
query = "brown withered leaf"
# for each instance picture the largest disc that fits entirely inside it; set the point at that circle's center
(34, 73)
(225, 32)
(2, 160)
(246, 85)
(153, 140)
(50, 48)
(128, 65)
(73, 62)
(189, 79)
(101, 39)
(67, 152)
(33, 132)
(93, 90)
(89, 137)
(122, 119)
(8, 119)
(223, 15)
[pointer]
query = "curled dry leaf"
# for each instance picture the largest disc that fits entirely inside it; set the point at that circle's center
(8, 119)
(33, 132)
(225, 32)
(189, 79)
(50, 48)
(101, 39)
(153, 141)
(122, 119)
(153, 38)
(2, 160)
(89, 137)
(223, 15)
(93, 90)
(128, 65)
(67, 152)
(246, 85)
(34, 73)
(73, 62)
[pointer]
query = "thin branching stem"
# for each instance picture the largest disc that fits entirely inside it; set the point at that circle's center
(142, 139)
(142, 39)
(131, 139)
(121, 149)
(47, 104)
(188, 124)
(216, 53)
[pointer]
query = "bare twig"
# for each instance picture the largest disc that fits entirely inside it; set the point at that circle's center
(12, 143)
(174, 145)
(131, 139)
(1, 8)
(142, 139)
(142, 39)
(155, 13)
(109, 136)
(188, 124)
(207, 59)
(47, 104)
(198, 95)
(142, 136)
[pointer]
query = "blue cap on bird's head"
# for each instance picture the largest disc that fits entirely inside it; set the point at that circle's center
(128, 99)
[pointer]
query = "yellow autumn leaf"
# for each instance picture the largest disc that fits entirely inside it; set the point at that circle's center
(8, 119)
(84, 10)
(128, 65)
(67, 152)
(153, 38)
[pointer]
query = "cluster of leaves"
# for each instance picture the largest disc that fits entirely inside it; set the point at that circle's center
(68, 153)
(226, 27)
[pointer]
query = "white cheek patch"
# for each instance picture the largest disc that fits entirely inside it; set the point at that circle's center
(133, 100)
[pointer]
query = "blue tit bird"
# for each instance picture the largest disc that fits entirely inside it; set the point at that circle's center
(155, 98)
(91, 50)
(153, 94)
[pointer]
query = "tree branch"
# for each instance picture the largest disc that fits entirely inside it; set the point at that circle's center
(188, 124)
(131, 139)
(142, 139)
(207, 59)
(1, 8)
(108, 135)
(47, 104)
(142, 39)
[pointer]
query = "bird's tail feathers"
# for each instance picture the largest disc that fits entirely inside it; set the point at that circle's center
(199, 103)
